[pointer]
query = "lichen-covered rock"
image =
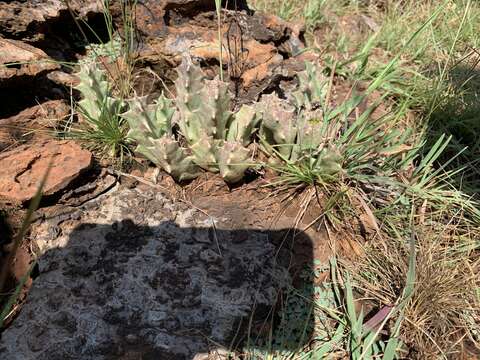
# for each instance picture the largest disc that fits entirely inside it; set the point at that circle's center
(23, 167)
(140, 276)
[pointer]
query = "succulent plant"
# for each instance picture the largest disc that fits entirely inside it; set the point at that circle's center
(204, 152)
(216, 139)
(97, 101)
(166, 153)
(310, 134)
(328, 162)
(152, 120)
(243, 125)
(232, 158)
(203, 106)
(151, 128)
(311, 88)
(279, 129)
(295, 130)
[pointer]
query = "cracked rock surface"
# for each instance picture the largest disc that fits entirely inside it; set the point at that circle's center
(134, 275)
(24, 166)
(29, 18)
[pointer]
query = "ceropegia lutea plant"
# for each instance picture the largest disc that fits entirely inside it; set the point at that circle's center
(350, 152)
(151, 128)
(101, 127)
(216, 139)
(293, 130)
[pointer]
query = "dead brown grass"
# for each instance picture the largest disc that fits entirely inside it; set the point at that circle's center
(444, 311)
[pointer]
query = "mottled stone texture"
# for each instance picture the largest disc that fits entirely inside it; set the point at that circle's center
(133, 275)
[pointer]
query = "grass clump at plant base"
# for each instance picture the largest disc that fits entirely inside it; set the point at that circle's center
(350, 158)
(100, 125)
(106, 81)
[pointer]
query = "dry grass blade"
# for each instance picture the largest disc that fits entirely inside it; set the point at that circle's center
(17, 242)
(218, 8)
(446, 283)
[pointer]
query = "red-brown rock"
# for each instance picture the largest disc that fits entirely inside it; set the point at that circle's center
(254, 45)
(23, 168)
(27, 18)
(32, 124)
(153, 17)
(20, 59)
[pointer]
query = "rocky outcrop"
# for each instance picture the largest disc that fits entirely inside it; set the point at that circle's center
(18, 59)
(32, 124)
(153, 17)
(23, 167)
(29, 19)
(35, 37)
(24, 82)
(134, 275)
(256, 48)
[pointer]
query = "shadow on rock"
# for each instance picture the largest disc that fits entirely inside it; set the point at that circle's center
(128, 291)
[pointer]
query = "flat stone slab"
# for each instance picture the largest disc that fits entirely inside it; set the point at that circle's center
(22, 168)
(134, 275)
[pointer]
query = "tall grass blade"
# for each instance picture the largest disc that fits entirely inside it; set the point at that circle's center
(13, 298)
(34, 203)
(218, 7)
(390, 66)
(24, 228)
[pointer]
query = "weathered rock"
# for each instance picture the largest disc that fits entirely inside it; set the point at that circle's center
(139, 276)
(23, 168)
(18, 59)
(154, 16)
(28, 19)
(257, 60)
(97, 185)
(33, 123)
(254, 46)
(64, 79)
(23, 77)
